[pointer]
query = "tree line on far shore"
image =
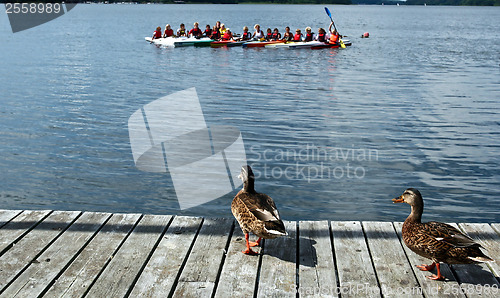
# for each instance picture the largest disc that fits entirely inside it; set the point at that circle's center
(345, 2)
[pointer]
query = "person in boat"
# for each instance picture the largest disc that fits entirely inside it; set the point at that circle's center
(334, 35)
(322, 37)
(309, 35)
(276, 34)
(208, 31)
(168, 31)
(215, 34)
(222, 29)
(157, 34)
(217, 26)
(298, 35)
(258, 34)
(287, 36)
(269, 34)
(182, 31)
(196, 31)
(227, 35)
(245, 35)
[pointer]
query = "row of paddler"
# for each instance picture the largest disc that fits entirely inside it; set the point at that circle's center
(221, 33)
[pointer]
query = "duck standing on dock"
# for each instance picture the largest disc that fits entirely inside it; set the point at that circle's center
(255, 212)
(437, 241)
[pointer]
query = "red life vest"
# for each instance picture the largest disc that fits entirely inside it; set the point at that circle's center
(208, 32)
(309, 37)
(334, 38)
(195, 32)
(275, 36)
(297, 37)
(215, 34)
(269, 36)
(247, 35)
(169, 32)
(322, 37)
(157, 34)
(227, 36)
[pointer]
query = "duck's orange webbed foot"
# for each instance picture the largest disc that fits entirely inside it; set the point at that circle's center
(256, 243)
(427, 267)
(437, 276)
(250, 252)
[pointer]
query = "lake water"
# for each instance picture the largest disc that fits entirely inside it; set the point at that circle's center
(415, 105)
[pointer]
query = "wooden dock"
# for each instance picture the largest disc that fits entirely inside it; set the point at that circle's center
(74, 254)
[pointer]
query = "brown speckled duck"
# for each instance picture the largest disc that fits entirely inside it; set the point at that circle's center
(255, 212)
(435, 240)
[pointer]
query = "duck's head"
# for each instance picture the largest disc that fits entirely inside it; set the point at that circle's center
(246, 173)
(410, 196)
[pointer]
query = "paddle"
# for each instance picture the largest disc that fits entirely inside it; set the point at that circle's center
(342, 45)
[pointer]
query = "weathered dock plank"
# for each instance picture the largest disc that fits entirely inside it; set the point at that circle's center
(475, 279)
(356, 274)
(278, 268)
(7, 215)
(198, 278)
(118, 277)
(430, 288)
(394, 272)
(317, 275)
(163, 269)
(19, 257)
(77, 278)
(239, 274)
(40, 274)
(18, 227)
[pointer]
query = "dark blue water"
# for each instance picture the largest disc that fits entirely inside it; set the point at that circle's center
(331, 134)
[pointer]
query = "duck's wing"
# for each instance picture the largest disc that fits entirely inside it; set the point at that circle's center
(266, 210)
(448, 234)
(270, 215)
(261, 205)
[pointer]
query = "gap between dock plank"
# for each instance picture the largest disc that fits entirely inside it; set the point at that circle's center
(356, 274)
(202, 267)
(278, 269)
(162, 271)
(77, 278)
(317, 274)
(19, 257)
(238, 275)
(118, 277)
(394, 272)
(48, 265)
(18, 227)
(7, 215)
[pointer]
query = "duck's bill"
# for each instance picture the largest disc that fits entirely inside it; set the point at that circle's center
(398, 200)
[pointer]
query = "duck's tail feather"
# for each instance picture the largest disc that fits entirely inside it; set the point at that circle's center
(481, 259)
(276, 227)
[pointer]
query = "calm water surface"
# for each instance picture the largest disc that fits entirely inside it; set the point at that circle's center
(415, 105)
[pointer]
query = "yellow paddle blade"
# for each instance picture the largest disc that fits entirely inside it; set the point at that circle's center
(342, 45)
